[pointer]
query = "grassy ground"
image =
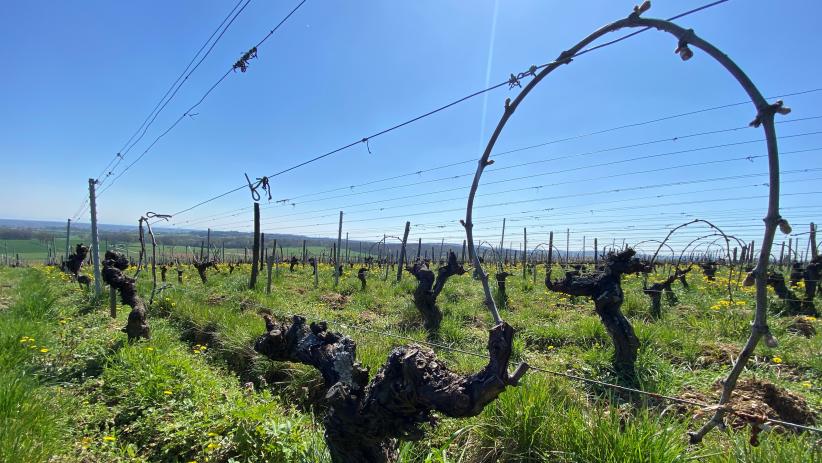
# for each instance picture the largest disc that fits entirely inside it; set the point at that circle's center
(197, 391)
(33, 251)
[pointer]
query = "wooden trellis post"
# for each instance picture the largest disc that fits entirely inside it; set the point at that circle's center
(68, 238)
(95, 244)
(524, 252)
(255, 250)
(337, 253)
(402, 251)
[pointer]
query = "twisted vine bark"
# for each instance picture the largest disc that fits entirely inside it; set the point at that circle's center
(202, 266)
(709, 269)
(76, 259)
(777, 282)
(75, 263)
(683, 278)
(812, 274)
(605, 289)
(797, 272)
(428, 289)
(365, 420)
(502, 294)
(113, 266)
(656, 290)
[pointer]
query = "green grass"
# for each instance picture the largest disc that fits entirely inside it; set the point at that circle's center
(119, 389)
(29, 420)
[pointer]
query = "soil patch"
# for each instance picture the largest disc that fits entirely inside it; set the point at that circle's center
(756, 401)
(334, 301)
(803, 327)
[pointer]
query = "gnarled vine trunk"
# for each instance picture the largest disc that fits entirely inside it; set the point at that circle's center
(811, 275)
(429, 288)
(75, 263)
(796, 273)
(366, 419)
(502, 293)
(113, 266)
(709, 269)
(605, 289)
(656, 290)
(777, 282)
(202, 267)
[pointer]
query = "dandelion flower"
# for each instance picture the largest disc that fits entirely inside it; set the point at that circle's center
(550, 347)
(149, 349)
(109, 438)
(44, 350)
(212, 446)
(776, 360)
(807, 385)
(167, 392)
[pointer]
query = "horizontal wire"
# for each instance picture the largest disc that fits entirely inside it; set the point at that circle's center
(419, 172)
(188, 111)
(440, 201)
(439, 109)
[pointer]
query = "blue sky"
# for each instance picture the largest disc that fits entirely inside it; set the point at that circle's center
(81, 76)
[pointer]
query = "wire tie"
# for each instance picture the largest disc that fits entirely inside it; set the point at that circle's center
(513, 81)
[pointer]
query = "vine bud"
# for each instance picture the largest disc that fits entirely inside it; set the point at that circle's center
(784, 226)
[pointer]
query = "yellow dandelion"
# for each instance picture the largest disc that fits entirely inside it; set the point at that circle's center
(167, 392)
(44, 350)
(149, 349)
(776, 360)
(807, 385)
(212, 446)
(550, 347)
(211, 434)
(63, 321)
(109, 438)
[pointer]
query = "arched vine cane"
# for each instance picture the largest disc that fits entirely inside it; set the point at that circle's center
(764, 117)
